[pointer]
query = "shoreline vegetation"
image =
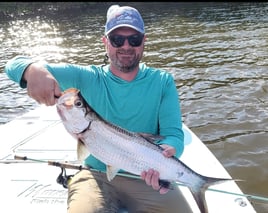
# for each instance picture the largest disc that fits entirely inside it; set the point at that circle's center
(18, 10)
(24, 10)
(11, 10)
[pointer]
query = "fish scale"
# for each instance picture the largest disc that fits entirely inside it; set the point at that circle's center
(126, 150)
(133, 157)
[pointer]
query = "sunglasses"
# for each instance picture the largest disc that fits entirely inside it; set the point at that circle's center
(119, 40)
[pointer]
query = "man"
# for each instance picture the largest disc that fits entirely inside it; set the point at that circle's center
(124, 92)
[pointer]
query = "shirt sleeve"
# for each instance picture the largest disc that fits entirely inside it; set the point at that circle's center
(16, 67)
(170, 123)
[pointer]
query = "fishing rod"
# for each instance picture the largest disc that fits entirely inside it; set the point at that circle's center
(63, 179)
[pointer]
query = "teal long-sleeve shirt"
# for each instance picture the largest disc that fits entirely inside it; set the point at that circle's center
(149, 103)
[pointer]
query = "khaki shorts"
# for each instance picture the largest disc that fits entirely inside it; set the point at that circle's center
(91, 192)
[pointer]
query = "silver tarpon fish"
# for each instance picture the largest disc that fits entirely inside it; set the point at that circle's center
(121, 149)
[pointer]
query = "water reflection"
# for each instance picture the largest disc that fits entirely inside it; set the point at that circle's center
(217, 53)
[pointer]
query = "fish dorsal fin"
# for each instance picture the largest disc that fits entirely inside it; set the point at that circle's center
(150, 137)
(82, 151)
(111, 172)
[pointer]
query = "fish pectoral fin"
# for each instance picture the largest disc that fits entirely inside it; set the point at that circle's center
(111, 172)
(150, 137)
(82, 151)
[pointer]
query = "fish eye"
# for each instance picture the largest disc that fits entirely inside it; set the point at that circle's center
(78, 103)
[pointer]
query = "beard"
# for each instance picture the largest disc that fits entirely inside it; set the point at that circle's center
(126, 68)
(126, 63)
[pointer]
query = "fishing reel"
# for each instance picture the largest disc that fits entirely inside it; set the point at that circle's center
(64, 179)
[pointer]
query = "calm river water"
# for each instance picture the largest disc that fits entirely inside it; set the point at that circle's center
(217, 52)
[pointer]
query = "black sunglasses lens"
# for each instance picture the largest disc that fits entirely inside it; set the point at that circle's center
(119, 40)
(135, 40)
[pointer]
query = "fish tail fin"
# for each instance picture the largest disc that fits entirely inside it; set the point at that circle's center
(199, 196)
(198, 191)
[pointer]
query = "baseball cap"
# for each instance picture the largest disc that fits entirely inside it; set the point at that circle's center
(124, 16)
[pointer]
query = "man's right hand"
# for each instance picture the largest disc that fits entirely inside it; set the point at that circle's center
(41, 85)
